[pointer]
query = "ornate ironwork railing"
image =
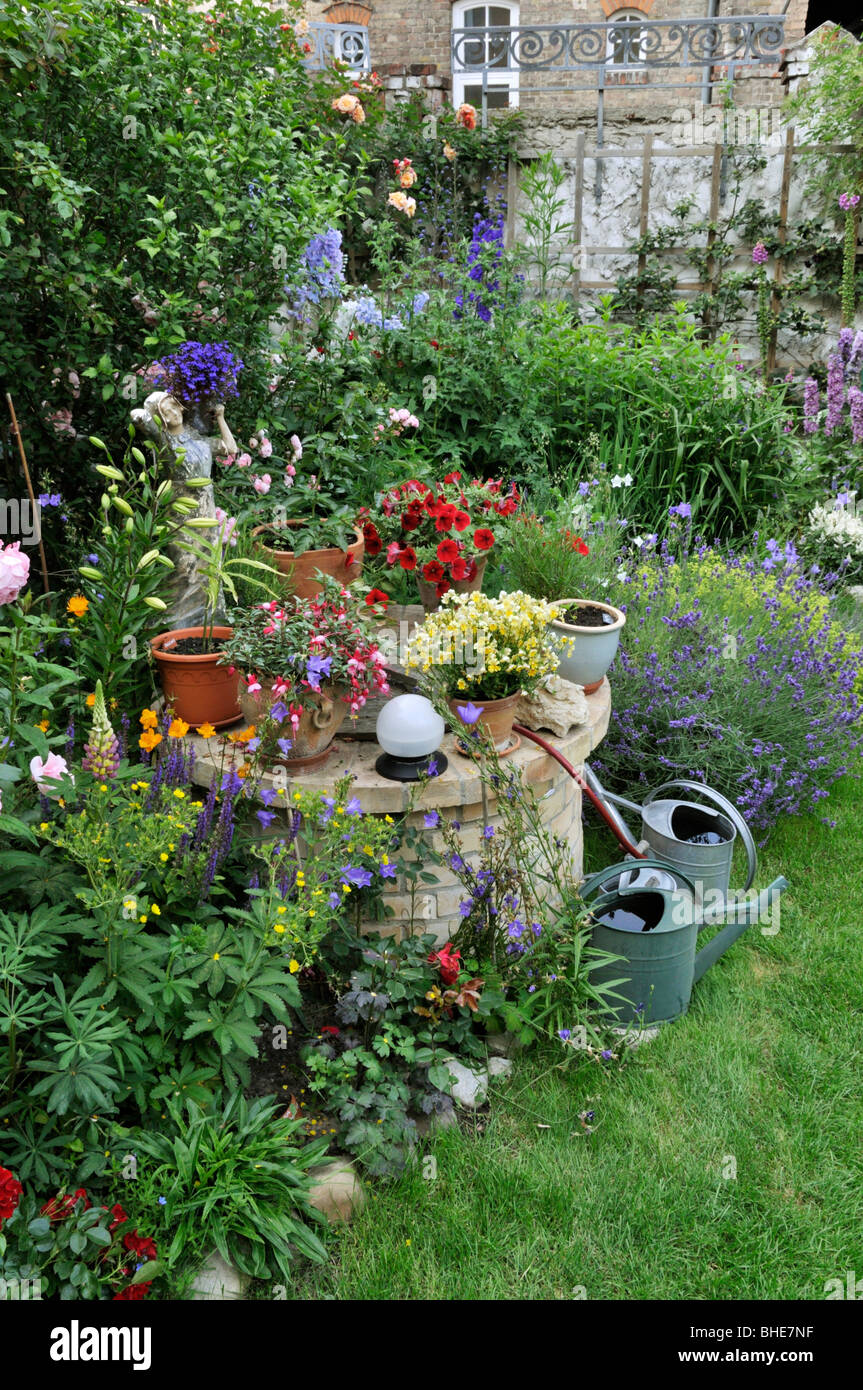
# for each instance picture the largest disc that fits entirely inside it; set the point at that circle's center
(345, 43)
(628, 45)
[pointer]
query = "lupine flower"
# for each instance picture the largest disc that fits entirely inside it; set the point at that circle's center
(101, 752)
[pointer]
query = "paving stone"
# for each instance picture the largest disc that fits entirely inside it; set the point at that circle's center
(218, 1282)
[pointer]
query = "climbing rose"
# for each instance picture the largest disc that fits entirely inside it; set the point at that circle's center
(466, 116)
(10, 1192)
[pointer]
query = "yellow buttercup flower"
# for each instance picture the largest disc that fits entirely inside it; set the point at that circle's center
(149, 740)
(155, 909)
(147, 719)
(278, 926)
(205, 730)
(294, 966)
(178, 728)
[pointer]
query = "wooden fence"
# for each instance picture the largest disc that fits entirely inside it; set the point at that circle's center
(642, 159)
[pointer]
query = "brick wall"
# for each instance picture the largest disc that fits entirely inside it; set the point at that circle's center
(406, 38)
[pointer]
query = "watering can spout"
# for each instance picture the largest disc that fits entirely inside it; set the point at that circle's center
(738, 915)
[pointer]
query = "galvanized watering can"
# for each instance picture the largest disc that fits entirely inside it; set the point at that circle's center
(698, 840)
(649, 912)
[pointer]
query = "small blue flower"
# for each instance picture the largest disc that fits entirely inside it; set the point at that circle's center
(469, 713)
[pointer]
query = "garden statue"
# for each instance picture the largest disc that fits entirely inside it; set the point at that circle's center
(188, 452)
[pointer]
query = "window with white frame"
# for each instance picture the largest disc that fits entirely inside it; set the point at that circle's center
(491, 51)
(625, 41)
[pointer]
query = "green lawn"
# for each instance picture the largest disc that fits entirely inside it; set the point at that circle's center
(765, 1070)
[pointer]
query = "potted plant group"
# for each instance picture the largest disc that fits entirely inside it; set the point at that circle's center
(310, 531)
(444, 534)
(194, 684)
(299, 667)
(481, 654)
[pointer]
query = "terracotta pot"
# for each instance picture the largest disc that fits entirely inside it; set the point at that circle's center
(593, 649)
(299, 570)
(322, 717)
(496, 719)
(196, 687)
(428, 593)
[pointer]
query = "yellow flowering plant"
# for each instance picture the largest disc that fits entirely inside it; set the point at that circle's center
(324, 856)
(486, 648)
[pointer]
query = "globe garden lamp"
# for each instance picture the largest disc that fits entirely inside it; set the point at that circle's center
(409, 730)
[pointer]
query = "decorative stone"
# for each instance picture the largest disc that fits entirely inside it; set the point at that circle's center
(469, 1088)
(218, 1282)
(503, 1044)
(499, 1066)
(433, 1124)
(337, 1191)
(557, 705)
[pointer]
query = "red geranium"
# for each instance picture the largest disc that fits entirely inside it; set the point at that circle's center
(60, 1207)
(10, 1193)
(408, 558)
(433, 571)
(448, 962)
(447, 551)
(483, 539)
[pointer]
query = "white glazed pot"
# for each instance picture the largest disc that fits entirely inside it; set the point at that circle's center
(593, 649)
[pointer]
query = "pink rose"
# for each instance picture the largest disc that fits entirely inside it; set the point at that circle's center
(244, 460)
(53, 766)
(14, 571)
(266, 448)
(262, 485)
(297, 447)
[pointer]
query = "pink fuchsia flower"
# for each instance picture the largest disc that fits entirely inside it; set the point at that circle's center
(847, 201)
(266, 448)
(760, 254)
(14, 571)
(253, 685)
(262, 485)
(54, 767)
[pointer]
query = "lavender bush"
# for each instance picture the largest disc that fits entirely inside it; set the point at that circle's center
(734, 673)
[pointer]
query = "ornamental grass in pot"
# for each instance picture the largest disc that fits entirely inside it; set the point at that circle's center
(444, 534)
(479, 654)
(195, 685)
(300, 667)
(306, 530)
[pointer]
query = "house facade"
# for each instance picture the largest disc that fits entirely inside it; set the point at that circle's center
(548, 56)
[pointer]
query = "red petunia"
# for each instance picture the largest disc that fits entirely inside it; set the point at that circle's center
(410, 520)
(483, 539)
(433, 571)
(374, 545)
(10, 1193)
(460, 569)
(370, 531)
(408, 558)
(447, 551)
(376, 596)
(445, 516)
(461, 520)
(442, 588)
(452, 478)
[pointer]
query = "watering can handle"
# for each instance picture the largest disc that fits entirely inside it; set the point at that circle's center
(615, 870)
(731, 812)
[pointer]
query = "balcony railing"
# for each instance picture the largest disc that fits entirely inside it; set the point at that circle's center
(591, 51)
(344, 43)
